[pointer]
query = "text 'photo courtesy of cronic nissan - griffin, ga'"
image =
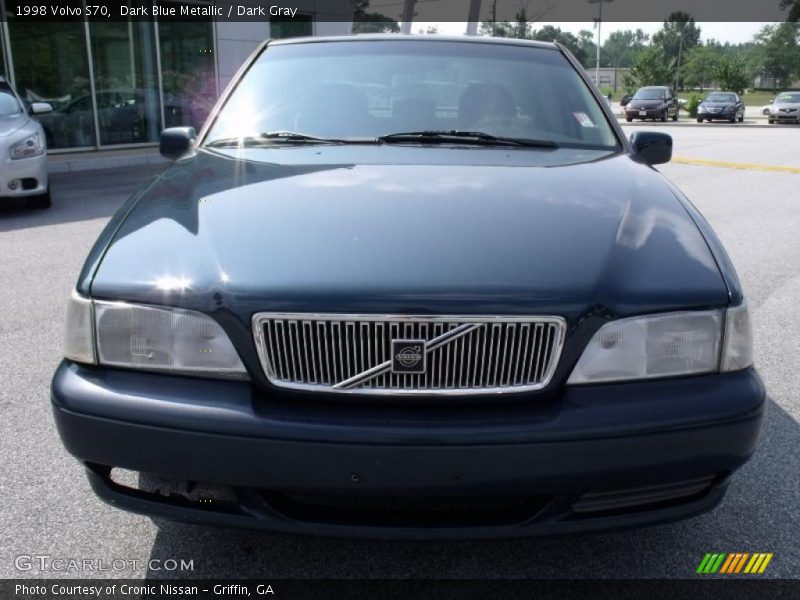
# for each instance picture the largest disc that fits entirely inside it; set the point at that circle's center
(471, 308)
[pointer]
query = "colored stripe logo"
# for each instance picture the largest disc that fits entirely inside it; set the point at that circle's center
(734, 562)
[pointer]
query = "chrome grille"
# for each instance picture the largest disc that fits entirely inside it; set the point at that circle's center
(352, 353)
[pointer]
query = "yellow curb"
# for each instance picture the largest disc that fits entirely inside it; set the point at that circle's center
(735, 165)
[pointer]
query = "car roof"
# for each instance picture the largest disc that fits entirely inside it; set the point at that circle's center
(396, 37)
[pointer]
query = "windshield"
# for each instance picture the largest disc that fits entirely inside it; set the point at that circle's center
(368, 89)
(650, 94)
(721, 98)
(9, 105)
(790, 97)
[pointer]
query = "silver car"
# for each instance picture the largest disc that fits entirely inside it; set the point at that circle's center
(785, 108)
(23, 150)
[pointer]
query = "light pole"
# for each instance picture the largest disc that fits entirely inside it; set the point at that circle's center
(472, 17)
(599, 22)
(408, 16)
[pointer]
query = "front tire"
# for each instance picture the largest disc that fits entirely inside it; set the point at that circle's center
(664, 116)
(675, 117)
(629, 119)
(771, 121)
(699, 120)
(40, 201)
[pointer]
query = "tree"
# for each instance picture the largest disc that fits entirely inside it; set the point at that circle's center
(698, 70)
(522, 25)
(730, 74)
(551, 33)
(679, 33)
(587, 47)
(620, 47)
(778, 55)
(794, 10)
(371, 22)
(496, 29)
(650, 67)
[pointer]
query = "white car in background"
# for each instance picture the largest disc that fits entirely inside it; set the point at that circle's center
(23, 150)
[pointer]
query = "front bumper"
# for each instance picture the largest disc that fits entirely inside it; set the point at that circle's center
(649, 113)
(721, 115)
(601, 456)
(30, 175)
(782, 117)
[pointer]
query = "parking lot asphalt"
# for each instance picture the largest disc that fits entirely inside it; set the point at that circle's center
(48, 508)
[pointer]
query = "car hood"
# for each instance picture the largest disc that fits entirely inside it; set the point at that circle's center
(9, 125)
(708, 104)
(779, 105)
(347, 229)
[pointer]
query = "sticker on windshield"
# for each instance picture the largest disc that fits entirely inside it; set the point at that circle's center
(583, 119)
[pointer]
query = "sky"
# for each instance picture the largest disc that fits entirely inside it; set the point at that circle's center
(732, 32)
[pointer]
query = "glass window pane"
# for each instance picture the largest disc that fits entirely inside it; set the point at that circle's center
(126, 83)
(3, 71)
(50, 65)
(187, 69)
(298, 26)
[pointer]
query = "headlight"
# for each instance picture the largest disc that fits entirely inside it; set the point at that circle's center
(150, 338)
(28, 148)
(667, 345)
(701, 108)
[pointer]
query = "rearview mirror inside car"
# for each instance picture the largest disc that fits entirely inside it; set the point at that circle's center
(651, 147)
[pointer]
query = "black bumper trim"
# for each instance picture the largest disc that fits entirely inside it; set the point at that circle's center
(591, 439)
(255, 512)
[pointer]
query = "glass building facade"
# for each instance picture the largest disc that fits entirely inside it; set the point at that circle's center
(111, 84)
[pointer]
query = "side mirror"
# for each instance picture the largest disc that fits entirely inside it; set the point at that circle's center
(37, 108)
(652, 148)
(176, 141)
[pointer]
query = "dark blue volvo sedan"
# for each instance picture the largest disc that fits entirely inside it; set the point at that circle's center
(410, 287)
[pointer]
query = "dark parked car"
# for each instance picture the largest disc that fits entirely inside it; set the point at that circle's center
(721, 106)
(330, 321)
(653, 102)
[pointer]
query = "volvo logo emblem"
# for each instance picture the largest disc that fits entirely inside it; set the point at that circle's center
(408, 356)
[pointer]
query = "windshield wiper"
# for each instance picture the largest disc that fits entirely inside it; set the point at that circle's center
(477, 138)
(273, 137)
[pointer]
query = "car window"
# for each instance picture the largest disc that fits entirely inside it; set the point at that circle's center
(719, 97)
(369, 89)
(9, 105)
(789, 97)
(649, 94)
